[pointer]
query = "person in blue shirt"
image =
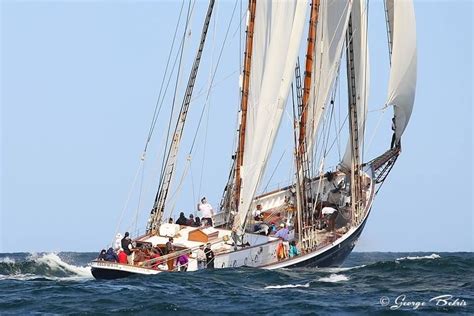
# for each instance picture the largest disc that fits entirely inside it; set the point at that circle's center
(282, 233)
(111, 255)
(293, 250)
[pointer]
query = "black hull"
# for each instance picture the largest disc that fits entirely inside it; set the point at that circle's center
(107, 274)
(335, 256)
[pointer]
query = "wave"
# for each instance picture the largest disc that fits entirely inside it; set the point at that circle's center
(48, 266)
(432, 256)
(342, 269)
(334, 278)
(286, 286)
(7, 260)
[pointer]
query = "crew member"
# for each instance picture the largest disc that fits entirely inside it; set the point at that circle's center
(207, 211)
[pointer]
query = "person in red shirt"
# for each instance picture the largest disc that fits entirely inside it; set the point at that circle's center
(122, 257)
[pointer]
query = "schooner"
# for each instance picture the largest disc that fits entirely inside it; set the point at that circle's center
(326, 208)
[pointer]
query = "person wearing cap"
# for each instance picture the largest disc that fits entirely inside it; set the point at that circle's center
(282, 248)
(207, 211)
(282, 233)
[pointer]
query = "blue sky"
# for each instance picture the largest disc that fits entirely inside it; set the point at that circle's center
(79, 82)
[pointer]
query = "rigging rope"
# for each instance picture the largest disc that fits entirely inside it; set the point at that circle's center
(128, 198)
(158, 105)
(178, 189)
(174, 197)
(166, 151)
(212, 79)
(376, 129)
(140, 191)
(274, 170)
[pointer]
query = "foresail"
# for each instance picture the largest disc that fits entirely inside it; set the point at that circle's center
(402, 83)
(331, 31)
(362, 71)
(277, 37)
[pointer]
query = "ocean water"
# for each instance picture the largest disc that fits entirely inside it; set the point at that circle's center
(368, 283)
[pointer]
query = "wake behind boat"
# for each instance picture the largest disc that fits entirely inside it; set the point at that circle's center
(317, 220)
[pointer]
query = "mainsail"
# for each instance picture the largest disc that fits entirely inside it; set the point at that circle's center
(278, 31)
(402, 83)
(332, 25)
(362, 71)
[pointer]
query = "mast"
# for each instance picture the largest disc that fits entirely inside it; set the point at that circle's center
(308, 73)
(302, 162)
(356, 192)
(244, 101)
(160, 199)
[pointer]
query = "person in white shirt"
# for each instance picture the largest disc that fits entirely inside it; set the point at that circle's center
(201, 258)
(206, 210)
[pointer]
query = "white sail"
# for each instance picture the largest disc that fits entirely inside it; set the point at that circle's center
(402, 83)
(362, 71)
(277, 36)
(330, 35)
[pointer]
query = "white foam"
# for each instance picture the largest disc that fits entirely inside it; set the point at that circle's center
(337, 270)
(432, 256)
(286, 286)
(333, 278)
(19, 276)
(56, 263)
(7, 260)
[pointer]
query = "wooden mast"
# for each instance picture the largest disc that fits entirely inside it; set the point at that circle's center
(244, 101)
(302, 163)
(308, 73)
